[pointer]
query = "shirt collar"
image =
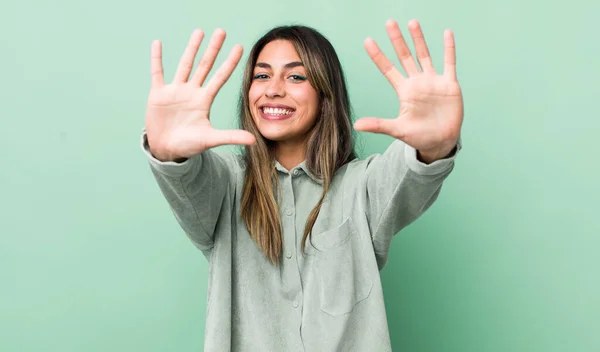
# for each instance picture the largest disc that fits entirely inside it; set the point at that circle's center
(302, 167)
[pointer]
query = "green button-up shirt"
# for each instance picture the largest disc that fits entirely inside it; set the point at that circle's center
(328, 298)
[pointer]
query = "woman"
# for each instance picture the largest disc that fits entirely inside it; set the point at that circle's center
(296, 229)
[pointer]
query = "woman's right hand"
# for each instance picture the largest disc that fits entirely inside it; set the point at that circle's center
(177, 114)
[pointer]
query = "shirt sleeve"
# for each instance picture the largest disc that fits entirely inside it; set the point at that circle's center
(399, 189)
(195, 190)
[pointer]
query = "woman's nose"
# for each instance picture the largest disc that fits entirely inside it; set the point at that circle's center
(275, 89)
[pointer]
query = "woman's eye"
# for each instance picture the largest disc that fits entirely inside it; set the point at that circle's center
(260, 76)
(298, 78)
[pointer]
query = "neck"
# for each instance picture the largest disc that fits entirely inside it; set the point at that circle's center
(290, 155)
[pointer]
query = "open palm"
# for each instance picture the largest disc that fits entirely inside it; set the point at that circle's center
(431, 105)
(177, 114)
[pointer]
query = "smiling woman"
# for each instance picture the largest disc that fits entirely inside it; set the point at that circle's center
(297, 112)
(282, 102)
(297, 228)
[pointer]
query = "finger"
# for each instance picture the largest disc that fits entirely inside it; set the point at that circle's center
(224, 72)
(420, 46)
(187, 60)
(402, 51)
(225, 137)
(208, 59)
(377, 125)
(156, 67)
(449, 55)
(385, 66)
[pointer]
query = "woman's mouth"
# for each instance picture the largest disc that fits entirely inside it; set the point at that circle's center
(273, 113)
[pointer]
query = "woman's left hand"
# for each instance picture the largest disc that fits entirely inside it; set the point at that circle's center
(431, 105)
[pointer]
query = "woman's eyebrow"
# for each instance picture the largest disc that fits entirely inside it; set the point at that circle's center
(288, 65)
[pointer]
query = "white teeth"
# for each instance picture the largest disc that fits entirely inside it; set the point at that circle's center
(277, 111)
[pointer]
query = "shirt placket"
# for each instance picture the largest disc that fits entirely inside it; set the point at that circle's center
(290, 262)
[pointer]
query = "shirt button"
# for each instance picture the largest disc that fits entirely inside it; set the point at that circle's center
(296, 172)
(295, 304)
(288, 212)
(288, 254)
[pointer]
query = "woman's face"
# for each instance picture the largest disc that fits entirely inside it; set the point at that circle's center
(283, 103)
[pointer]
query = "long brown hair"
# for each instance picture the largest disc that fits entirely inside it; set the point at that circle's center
(330, 142)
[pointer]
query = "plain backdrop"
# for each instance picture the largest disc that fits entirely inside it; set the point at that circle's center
(91, 258)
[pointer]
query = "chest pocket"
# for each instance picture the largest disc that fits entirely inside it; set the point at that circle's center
(340, 267)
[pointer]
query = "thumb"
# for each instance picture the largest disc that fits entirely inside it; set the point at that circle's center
(377, 125)
(223, 137)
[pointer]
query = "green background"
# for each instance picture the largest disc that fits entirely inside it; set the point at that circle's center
(91, 258)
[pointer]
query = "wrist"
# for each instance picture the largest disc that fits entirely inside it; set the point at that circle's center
(163, 156)
(430, 156)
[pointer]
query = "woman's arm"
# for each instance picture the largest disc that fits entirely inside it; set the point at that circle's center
(178, 137)
(403, 182)
(196, 190)
(399, 189)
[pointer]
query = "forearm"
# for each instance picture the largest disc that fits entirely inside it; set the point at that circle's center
(400, 188)
(187, 184)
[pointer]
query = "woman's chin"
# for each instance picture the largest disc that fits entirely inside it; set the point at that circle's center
(274, 137)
